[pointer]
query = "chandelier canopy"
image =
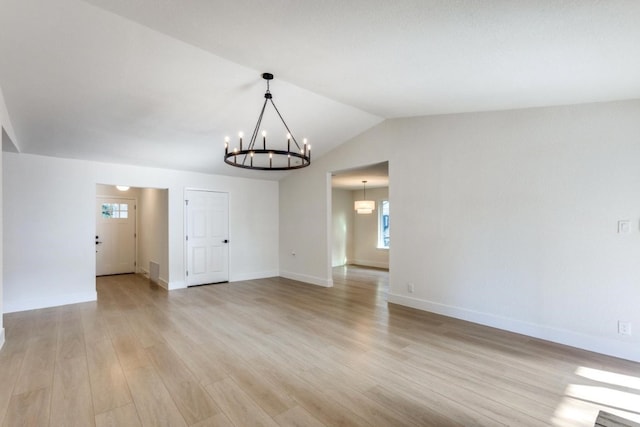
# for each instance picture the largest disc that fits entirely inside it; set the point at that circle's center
(259, 156)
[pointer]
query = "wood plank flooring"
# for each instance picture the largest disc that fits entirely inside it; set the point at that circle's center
(275, 352)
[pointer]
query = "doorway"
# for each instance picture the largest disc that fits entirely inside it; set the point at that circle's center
(148, 209)
(360, 239)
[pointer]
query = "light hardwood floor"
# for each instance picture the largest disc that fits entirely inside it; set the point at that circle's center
(275, 352)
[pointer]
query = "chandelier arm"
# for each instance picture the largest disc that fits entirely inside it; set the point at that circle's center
(285, 125)
(254, 135)
(257, 127)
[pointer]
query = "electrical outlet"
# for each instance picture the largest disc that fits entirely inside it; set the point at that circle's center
(624, 328)
(410, 287)
(624, 226)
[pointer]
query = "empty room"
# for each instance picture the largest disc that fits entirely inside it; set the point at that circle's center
(357, 213)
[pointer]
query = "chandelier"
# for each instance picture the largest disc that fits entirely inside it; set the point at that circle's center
(256, 154)
(364, 206)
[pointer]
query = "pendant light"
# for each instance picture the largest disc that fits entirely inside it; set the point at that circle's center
(364, 206)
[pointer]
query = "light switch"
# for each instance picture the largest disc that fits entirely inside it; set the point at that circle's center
(624, 226)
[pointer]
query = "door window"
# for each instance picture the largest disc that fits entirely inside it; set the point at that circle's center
(115, 210)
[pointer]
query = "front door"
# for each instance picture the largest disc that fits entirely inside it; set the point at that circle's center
(207, 234)
(115, 236)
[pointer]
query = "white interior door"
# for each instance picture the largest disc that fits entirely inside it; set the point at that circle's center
(207, 234)
(115, 236)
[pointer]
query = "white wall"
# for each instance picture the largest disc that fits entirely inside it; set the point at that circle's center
(49, 225)
(1, 246)
(503, 218)
(153, 242)
(365, 232)
(342, 226)
(6, 125)
(304, 246)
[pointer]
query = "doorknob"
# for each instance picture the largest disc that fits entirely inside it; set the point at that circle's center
(98, 243)
(225, 241)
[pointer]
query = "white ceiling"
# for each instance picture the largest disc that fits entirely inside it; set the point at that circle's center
(377, 176)
(161, 83)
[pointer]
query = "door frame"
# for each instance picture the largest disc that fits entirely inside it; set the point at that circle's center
(135, 227)
(185, 224)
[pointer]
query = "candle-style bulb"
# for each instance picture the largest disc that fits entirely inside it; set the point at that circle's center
(240, 134)
(264, 133)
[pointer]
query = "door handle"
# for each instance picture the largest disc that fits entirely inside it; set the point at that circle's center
(98, 243)
(225, 241)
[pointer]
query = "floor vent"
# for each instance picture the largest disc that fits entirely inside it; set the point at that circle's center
(154, 271)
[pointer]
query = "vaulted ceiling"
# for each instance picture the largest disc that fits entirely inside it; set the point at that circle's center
(161, 83)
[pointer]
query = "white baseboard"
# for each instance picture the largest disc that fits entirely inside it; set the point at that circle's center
(49, 301)
(1, 338)
(367, 263)
(144, 272)
(163, 283)
(253, 276)
(327, 283)
(178, 284)
(623, 349)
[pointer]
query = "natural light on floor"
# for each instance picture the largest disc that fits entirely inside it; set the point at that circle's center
(627, 381)
(615, 393)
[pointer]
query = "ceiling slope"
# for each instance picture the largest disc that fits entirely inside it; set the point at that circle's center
(81, 82)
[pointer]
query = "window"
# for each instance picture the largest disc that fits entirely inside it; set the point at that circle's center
(115, 210)
(383, 225)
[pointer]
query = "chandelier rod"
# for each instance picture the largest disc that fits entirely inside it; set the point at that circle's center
(254, 135)
(285, 125)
